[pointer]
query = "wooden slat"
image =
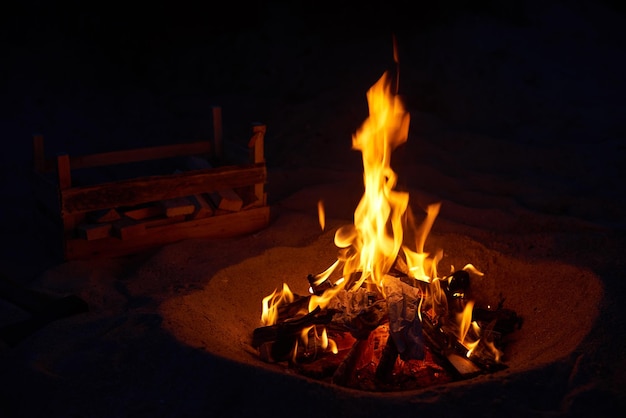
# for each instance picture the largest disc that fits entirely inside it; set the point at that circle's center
(178, 206)
(257, 155)
(104, 215)
(203, 207)
(154, 222)
(92, 232)
(136, 155)
(64, 178)
(224, 226)
(226, 199)
(146, 189)
(126, 229)
(145, 212)
(217, 131)
(64, 173)
(256, 144)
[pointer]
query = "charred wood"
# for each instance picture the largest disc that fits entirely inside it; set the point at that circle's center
(387, 362)
(346, 372)
(289, 327)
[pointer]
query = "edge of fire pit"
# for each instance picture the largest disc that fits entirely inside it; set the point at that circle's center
(545, 293)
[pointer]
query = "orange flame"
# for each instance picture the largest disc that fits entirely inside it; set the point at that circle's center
(271, 303)
(377, 234)
(321, 214)
(369, 248)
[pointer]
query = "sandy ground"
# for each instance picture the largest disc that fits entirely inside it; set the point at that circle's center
(516, 129)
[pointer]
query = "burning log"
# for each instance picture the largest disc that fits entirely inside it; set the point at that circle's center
(346, 372)
(412, 331)
(277, 342)
(361, 328)
(387, 361)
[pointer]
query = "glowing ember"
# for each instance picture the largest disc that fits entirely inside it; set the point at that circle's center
(385, 281)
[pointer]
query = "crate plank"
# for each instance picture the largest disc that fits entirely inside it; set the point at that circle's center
(145, 212)
(227, 199)
(223, 226)
(203, 206)
(128, 229)
(145, 189)
(131, 156)
(92, 232)
(103, 215)
(152, 223)
(178, 206)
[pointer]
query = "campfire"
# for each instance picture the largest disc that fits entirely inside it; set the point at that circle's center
(382, 317)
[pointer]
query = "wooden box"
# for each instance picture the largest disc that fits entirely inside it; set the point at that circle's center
(114, 218)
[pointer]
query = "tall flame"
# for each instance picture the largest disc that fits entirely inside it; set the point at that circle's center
(377, 234)
(371, 246)
(378, 217)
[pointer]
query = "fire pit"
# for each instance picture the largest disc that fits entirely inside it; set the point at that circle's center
(399, 324)
(558, 301)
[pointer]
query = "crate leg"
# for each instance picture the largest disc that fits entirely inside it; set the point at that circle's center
(256, 145)
(217, 131)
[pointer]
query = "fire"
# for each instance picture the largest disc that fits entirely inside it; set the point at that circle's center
(272, 302)
(378, 216)
(376, 242)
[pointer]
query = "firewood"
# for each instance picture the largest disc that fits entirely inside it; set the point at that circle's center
(289, 328)
(345, 373)
(140, 190)
(426, 336)
(92, 232)
(319, 288)
(203, 206)
(387, 361)
(104, 215)
(202, 202)
(144, 212)
(154, 222)
(178, 206)
(127, 228)
(463, 367)
(445, 345)
(323, 367)
(227, 199)
(289, 311)
(227, 226)
(505, 320)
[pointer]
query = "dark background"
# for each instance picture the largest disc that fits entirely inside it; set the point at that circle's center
(112, 75)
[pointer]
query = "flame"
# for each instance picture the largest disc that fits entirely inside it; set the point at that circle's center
(271, 303)
(465, 321)
(371, 246)
(378, 217)
(321, 214)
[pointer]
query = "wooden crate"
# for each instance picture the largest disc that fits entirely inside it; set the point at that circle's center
(115, 218)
